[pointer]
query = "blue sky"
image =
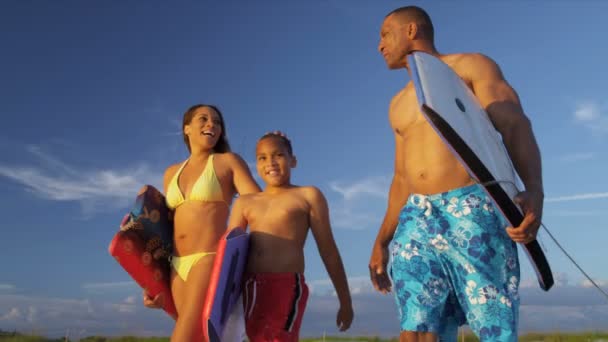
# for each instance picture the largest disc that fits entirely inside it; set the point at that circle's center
(92, 95)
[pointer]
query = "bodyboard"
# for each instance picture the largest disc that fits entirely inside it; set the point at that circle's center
(225, 284)
(456, 115)
(143, 244)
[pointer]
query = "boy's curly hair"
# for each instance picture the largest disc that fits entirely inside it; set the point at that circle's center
(282, 136)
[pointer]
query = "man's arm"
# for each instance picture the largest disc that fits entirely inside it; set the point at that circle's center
(504, 108)
(321, 230)
(397, 197)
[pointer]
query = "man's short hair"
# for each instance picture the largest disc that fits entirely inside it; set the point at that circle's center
(415, 14)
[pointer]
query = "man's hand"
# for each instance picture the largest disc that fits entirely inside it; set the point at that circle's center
(531, 202)
(377, 268)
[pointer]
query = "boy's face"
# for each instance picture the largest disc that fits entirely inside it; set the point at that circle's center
(274, 162)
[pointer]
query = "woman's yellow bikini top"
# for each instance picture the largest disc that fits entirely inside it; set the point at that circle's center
(206, 189)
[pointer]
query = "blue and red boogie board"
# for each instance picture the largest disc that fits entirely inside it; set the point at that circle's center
(226, 282)
(144, 242)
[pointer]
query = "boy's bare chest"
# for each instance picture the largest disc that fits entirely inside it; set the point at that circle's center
(278, 211)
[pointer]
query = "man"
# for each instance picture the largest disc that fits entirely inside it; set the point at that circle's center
(454, 260)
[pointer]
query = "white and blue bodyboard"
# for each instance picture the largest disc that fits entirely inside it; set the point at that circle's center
(454, 112)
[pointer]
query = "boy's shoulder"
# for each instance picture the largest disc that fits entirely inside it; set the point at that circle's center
(311, 192)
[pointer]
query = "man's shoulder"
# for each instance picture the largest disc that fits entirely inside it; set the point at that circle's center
(465, 57)
(472, 65)
(468, 61)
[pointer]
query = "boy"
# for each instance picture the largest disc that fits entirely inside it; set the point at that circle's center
(279, 218)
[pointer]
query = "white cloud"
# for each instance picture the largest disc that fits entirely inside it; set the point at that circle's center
(107, 286)
(374, 187)
(346, 217)
(32, 312)
(357, 285)
(578, 197)
(560, 279)
(12, 314)
(7, 287)
(360, 204)
(55, 316)
(129, 305)
(586, 112)
(119, 286)
(570, 306)
(125, 308)
(601, 283)
(565, 307)
(577, 157)
(59, 181)
(591, 115)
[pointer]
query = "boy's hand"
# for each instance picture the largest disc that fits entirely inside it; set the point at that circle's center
(153, 303)
(345, 317)
(377, 269)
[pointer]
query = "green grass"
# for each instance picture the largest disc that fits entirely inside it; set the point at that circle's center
(125, 339)
(546, 337)
(562, 337)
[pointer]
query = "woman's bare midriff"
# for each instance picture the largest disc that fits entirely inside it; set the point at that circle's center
(198, 226)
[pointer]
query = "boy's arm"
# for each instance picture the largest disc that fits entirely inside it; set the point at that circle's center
(237, 215)
(321, 230)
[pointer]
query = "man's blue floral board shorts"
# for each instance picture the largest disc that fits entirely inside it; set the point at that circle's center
(452, 263)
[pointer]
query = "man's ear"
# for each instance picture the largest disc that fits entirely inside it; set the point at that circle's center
(412, 31)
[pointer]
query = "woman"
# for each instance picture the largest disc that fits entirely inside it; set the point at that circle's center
(200, 191)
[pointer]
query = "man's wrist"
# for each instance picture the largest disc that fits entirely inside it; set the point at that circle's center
(535, 187)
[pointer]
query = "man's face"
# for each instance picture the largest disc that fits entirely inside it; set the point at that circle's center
(394, 44)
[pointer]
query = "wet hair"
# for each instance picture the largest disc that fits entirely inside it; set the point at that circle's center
(415, 14)
(282, 137)
(222, 144)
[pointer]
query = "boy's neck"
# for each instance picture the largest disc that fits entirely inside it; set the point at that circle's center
(271, 189)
